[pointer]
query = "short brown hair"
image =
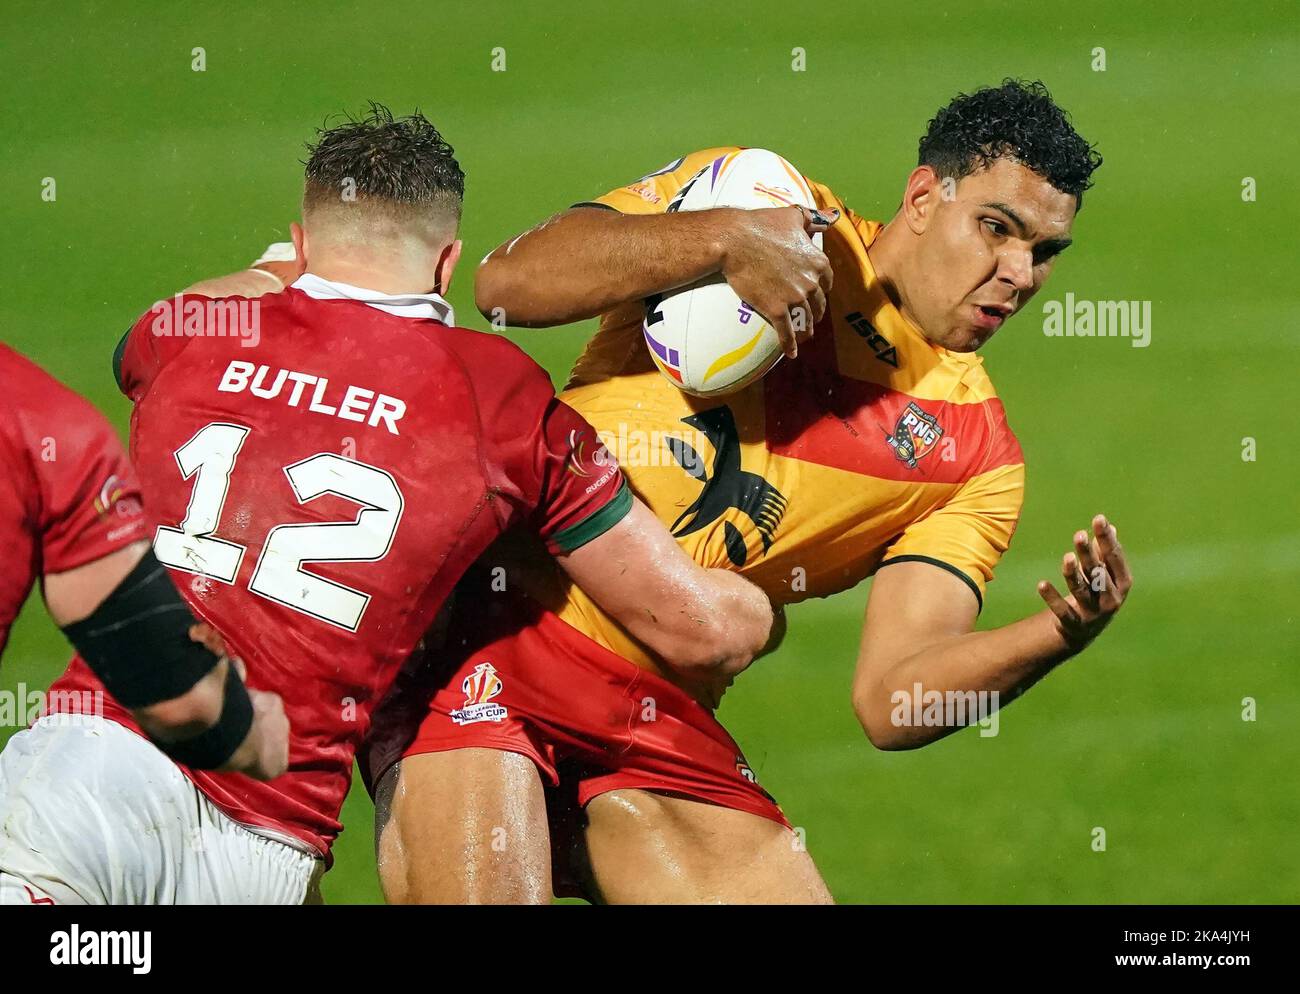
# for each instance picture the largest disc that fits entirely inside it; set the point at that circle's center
(399, 163)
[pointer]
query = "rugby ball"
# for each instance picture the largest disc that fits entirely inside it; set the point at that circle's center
(702, 336)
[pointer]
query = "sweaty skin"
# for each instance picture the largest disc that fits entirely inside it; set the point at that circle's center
(501, 855)
(639, 847)
(991, 239)
(958, 259)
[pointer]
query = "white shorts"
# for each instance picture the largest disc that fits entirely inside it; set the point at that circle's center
(91, 813)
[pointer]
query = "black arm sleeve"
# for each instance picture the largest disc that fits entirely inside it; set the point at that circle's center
(138, 643)
(138, 640)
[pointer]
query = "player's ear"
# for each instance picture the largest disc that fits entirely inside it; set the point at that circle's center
(299, 241)
(446, 266)
(921, 197)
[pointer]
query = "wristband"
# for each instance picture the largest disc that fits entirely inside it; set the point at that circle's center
(211, 749)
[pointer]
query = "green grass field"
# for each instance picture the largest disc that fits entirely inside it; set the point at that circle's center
(165, 175)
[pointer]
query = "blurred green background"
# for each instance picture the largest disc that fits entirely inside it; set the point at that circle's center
(165, 175)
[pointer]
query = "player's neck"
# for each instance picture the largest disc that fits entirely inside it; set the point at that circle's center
(888, 255)
(363, 270)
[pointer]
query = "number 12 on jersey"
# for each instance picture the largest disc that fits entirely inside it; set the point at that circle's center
(210, 456)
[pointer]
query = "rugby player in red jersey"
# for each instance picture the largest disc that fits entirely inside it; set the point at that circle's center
(320, 466)
(70, 516)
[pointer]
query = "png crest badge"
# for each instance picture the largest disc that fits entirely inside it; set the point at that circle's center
(915, 434)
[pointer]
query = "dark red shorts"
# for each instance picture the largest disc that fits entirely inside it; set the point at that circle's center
(515, 677)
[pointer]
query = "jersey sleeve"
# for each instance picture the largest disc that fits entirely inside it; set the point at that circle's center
(154, 340)
(543, 456)
(652, 193)
(82, 496)
(584, 492)
(967, 535)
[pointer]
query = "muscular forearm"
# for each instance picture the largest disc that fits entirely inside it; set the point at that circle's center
(918, 639)
(584, 261)
(1004, 662)
(705, 624)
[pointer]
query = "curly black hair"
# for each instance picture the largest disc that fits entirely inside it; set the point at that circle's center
(401, 160)
(1017, 120)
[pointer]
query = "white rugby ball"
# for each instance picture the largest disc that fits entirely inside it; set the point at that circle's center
(702, 336)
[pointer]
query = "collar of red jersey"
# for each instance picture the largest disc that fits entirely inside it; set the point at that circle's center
(404, 305)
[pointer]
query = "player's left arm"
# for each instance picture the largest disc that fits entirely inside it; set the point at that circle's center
(919, 633)
(126, 619)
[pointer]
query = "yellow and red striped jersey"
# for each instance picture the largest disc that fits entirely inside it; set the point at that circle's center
(873, 446)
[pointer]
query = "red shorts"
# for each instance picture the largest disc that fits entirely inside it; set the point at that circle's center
(518, 679)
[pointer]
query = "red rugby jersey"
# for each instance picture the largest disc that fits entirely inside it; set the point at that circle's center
(68, 496)
(320, 467)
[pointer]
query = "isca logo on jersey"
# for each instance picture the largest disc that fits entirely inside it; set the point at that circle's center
(479, 688)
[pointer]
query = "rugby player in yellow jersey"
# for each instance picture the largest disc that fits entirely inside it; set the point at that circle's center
(878, 447)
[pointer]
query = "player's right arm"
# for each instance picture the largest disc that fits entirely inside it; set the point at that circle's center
(549, 465)
(708, 624)
(626, 246)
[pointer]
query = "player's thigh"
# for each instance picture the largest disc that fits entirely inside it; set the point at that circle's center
(465, 826)
(644, 847)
